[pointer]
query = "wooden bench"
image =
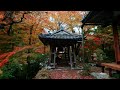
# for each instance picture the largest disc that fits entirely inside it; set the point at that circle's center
(111, 66)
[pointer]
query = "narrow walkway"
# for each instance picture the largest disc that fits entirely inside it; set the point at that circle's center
(64, 74)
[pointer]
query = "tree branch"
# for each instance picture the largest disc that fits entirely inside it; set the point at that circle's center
(21, 18)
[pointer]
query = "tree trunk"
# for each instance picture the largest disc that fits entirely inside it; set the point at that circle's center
(30, 38)
(10, 29)
(30, 43)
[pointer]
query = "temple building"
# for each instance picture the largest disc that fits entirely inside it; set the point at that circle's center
(64, 47)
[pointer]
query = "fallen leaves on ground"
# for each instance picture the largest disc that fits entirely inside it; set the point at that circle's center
(67, 74)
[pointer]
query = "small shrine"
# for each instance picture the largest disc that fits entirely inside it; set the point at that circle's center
(64, 47)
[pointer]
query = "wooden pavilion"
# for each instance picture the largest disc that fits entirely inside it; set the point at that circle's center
(62, 43)
(105, 18)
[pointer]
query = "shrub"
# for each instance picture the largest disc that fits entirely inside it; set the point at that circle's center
(116, 75)
(9, 71)
(86, 69)
(110, 55)
(100, 55)
(14, 69)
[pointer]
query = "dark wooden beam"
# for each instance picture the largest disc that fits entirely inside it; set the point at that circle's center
(70, 54)
(68, 51)
(92, 15)
(74, 55)
(50, 55)
(54, 56)
(77, 48)
(65, 52)
(110, 72)
(103, 69)
(93, 24)
(116, 42)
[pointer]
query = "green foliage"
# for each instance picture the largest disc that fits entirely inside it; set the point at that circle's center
(7, 75)
(100, 55)
(14, 69)
(6, 47)
(21, 72)
(9, 70)
(87, 52)
(35, 63)
(116, 75)
(86, 69)
(110, 55)
(18, 40)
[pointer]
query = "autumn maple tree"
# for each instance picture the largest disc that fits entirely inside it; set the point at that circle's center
(21, 28)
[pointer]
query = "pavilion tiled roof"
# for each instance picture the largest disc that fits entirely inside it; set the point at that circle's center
(60, 35)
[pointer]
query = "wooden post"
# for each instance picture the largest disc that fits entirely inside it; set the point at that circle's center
(70, 54)
(66, 55)
(82, 45)
(75, 48)
(110, 72)
(65, 52)
(103, 69)
(74, 56)
(54, 57)
(116, 43)
(49, 62)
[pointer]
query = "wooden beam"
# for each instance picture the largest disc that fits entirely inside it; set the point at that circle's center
(110, 72)
(82, 46)
(103, 67)
(93, 24)
(116, 42)
(74, 55)
(113, 66)
(54, 55)
(51, 54)
(77, 48)
(49, 62)
(70, 54)
(91, 16)
(65, 52)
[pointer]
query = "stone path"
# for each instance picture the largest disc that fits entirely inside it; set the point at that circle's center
(63, 73)
(67, 73)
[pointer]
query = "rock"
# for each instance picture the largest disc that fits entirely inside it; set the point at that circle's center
(43, 74)
(100, 75)
(48, 67)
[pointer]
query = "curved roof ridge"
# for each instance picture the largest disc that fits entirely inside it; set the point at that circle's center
(64, 31)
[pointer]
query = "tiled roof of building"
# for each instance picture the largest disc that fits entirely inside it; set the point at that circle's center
(61, 34)
(60, 37)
